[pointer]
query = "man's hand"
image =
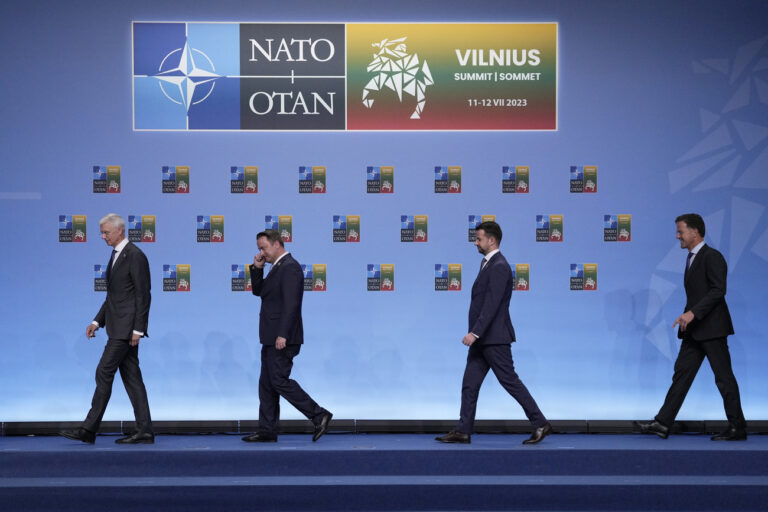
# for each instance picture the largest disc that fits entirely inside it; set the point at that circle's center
(280, 343)
(259, 260)
(90, 331)
(469, 339)
(135, 339)
(683, 320)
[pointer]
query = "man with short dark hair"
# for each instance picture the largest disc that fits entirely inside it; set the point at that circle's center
(489, 338)
(125, 312)
(704, 327)
(281, 333)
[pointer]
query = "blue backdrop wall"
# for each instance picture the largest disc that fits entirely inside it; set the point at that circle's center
(668, 99)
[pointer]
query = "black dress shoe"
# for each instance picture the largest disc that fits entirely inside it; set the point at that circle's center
(539, 434)
(79, 434)
(322, 427)
(653, 427)
(260, 437)
(137, 438)
(455, 437)
(732, 434)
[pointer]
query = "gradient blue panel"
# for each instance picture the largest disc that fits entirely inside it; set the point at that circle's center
(153, 110)
(152, 42)
(220, 110)
(216, 49)
(220, 43)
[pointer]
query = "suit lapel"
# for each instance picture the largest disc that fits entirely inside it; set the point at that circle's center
(696, 261)
(275, 268)
(123, 255)
(118, 263)
(485, 268)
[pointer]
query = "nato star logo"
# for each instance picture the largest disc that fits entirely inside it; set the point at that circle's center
(577, 173)
(542, 222)
(186, 74)
(305, 173)
(169, 271)
(441, 173)
(373, 174)
(271, 222)
(339, 222)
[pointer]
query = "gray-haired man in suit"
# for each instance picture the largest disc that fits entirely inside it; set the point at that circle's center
(125, 313)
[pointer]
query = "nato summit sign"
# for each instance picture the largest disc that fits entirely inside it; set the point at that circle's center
(333, 76)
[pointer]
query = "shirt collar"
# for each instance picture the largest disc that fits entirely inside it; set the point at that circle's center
(491, 254)
(281, 257)
(119, 247)
(698, 247)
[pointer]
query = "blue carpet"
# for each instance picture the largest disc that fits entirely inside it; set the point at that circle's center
(385, 472)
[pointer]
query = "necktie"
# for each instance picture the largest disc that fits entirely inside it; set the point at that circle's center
(111, 262)
(482, 264)
(688, 265)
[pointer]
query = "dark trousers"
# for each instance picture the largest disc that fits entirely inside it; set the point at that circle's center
(119, 354)
(498, 358)
(275, 382)
(688, 361)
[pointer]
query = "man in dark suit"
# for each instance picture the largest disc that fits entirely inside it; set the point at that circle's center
(704, 328)
(281, 333)
(489, 340)
(125, 313)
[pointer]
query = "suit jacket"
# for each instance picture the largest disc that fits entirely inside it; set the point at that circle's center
(281, 295)
(126, 308)
(489, 306)
(705, 296)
